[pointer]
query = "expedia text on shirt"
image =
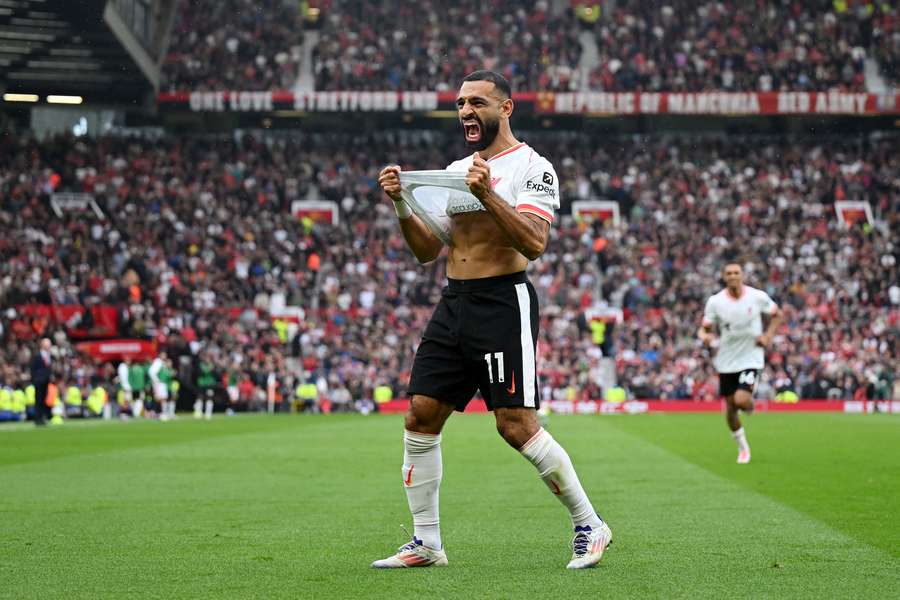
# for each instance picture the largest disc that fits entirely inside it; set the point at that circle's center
(540, 188)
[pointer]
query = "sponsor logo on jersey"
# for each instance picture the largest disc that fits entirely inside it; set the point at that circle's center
(540, 188)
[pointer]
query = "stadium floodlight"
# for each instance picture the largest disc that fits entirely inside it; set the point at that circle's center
(20, 97)
(65, 99)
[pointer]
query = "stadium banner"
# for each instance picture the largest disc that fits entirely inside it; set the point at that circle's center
(634, 407)
(726, 103)
(264, 102)
(118, 349)
(734, 104)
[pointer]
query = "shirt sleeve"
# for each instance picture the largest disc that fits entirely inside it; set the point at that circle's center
(767, 306)
(709, 314)
(538, 192)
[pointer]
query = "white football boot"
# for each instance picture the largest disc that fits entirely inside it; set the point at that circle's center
(743, 457)
(413, 554)
(589, 545)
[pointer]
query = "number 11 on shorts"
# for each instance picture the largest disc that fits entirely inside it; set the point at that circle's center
(498, 356)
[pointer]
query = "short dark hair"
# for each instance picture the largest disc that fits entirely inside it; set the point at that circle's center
(496, 78)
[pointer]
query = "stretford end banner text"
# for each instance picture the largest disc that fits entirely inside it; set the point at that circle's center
(589, 103)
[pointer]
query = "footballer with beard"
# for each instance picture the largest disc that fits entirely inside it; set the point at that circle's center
(482, 333)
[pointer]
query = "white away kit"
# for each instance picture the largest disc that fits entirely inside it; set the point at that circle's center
(429, 193)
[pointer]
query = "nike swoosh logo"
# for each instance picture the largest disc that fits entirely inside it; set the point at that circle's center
(555, 487)
(495, 181)
(512, 389)
(408, 481)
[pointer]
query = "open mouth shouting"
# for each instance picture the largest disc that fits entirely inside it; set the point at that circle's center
(472, 129)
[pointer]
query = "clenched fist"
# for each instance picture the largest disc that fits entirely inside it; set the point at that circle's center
(389, 180)
(479, 177)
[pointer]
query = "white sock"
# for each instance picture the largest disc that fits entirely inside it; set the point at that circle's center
(198, 409)
(422, 471)
(556, 470)
(138, 408)
(741, 438)
(209, 409)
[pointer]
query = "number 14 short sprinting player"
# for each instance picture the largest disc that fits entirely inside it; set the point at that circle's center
(737, 313)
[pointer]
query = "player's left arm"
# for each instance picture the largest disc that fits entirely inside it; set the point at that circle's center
(527, 232)
(776, 318)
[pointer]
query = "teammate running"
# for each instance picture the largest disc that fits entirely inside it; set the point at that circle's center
(482, 333)
(737, 312)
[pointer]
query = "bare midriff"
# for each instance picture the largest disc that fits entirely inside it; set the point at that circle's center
(480, 249)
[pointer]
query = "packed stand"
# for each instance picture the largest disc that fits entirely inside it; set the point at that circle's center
(198, 247)
(431, 45)
(886, 41)
(643, 46)
(679, 45)
(247, 45)
(743, 46)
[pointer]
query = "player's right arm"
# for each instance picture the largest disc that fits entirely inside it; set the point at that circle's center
(424, 244)
(705, 333)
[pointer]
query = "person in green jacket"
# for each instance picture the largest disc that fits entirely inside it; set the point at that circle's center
(206, 382)
(137, 380)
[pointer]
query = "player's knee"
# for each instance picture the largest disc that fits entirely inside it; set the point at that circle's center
(422, 421)
(515, 432)
(743, 399)
(412, 421)
(507, 430)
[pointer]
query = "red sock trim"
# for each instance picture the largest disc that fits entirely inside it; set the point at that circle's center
(533, 439)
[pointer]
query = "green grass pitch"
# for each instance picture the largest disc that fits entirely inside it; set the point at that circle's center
(297, 507)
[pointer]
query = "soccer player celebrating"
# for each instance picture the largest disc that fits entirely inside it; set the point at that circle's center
(737, 312)
(482, 333)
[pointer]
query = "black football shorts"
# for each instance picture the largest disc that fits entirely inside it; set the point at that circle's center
(729, 383)
(481, 336)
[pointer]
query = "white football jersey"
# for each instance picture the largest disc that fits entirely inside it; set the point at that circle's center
(740, 323)
(519, 175)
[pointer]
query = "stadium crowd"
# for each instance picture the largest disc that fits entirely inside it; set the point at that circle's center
(198, 248)
(736, 46)
(678, 45)
(430, 45)
(234, 44)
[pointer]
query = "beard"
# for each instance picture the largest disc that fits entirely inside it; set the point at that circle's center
(489, 131)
